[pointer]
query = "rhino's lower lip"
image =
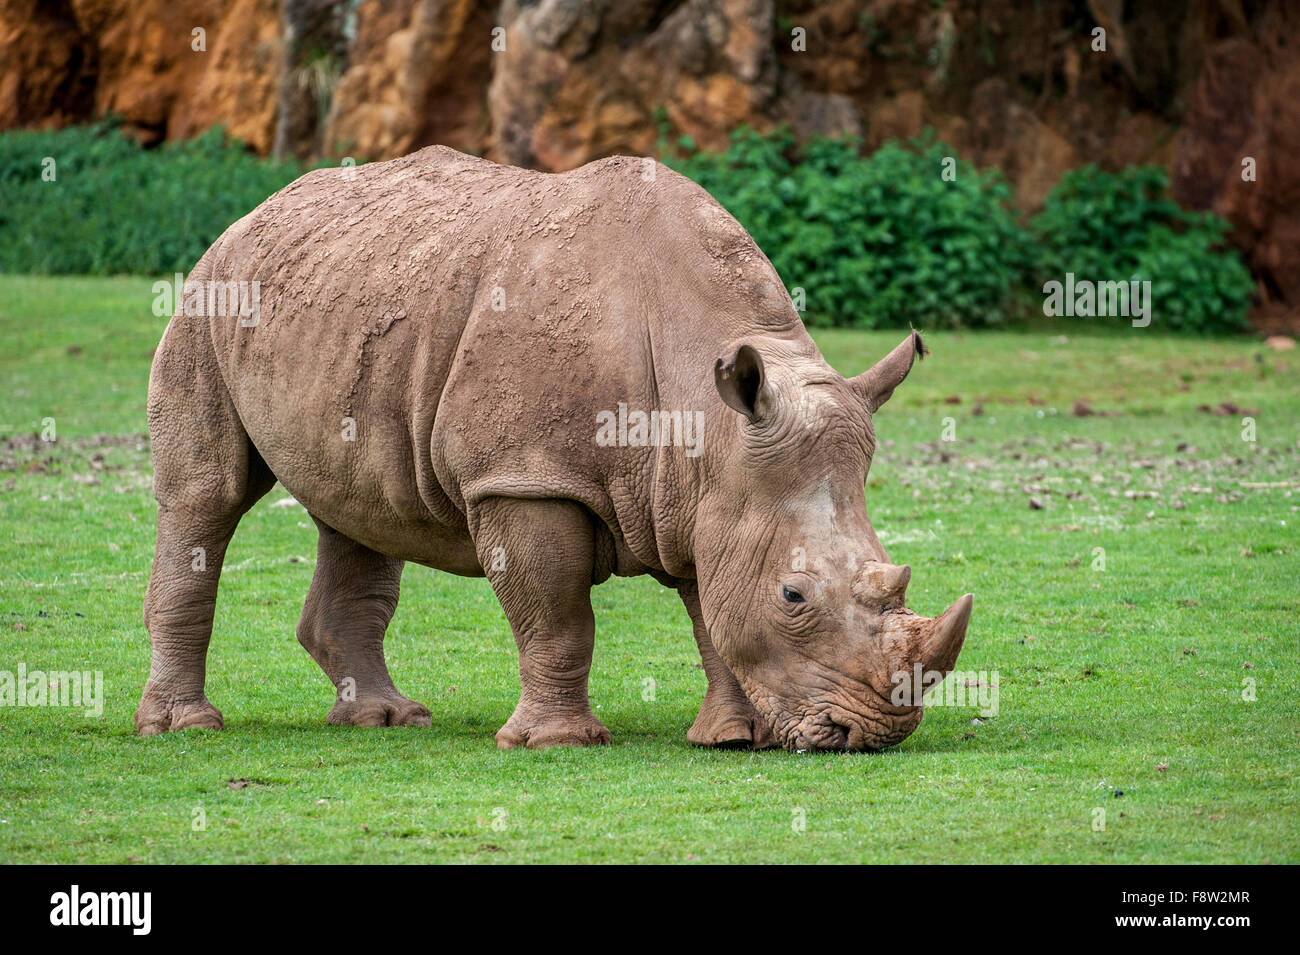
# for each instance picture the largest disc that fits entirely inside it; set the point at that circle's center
(835, 739)
(840, 730)
(830, 726)
(827, 737)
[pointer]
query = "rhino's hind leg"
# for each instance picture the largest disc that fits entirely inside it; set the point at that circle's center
(726, 719)
(206, 475)
(539, 555)
(352, 598)
(178, 609)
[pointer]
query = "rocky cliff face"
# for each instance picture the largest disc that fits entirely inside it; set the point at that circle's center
(1194, 85)
(68, 61)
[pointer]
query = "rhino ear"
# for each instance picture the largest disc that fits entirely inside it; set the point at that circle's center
(877, 383)
(740, 381)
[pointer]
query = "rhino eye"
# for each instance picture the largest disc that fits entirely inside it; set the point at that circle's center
(792, 595)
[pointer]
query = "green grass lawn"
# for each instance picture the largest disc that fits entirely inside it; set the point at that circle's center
(1121, 681)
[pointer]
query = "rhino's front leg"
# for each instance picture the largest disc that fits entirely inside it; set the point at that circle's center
(538, 556)
(726, 719)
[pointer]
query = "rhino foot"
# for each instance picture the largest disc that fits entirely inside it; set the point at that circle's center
(540, 732)
(729, 723)
(159, 714)
(394, 710)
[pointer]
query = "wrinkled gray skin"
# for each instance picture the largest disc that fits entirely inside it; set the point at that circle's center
(466, 324)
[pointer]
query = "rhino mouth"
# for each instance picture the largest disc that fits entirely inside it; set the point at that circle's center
(832, 727)
(850, 733)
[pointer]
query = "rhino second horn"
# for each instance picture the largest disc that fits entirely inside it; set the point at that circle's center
(945, 635)
(877, 383)
(882, 584)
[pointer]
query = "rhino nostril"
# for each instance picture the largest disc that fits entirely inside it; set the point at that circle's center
(839, 736)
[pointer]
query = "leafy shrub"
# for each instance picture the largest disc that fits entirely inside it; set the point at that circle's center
(116, 208)
(874, 241)
(881, 240)
(1120, 226)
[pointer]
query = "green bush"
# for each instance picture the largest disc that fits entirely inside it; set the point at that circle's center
(886, 240)
(1120, 226)
(879, 240)
(874, 241)
(116, 208)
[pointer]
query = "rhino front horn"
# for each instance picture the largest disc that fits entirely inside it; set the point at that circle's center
(945, 636)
